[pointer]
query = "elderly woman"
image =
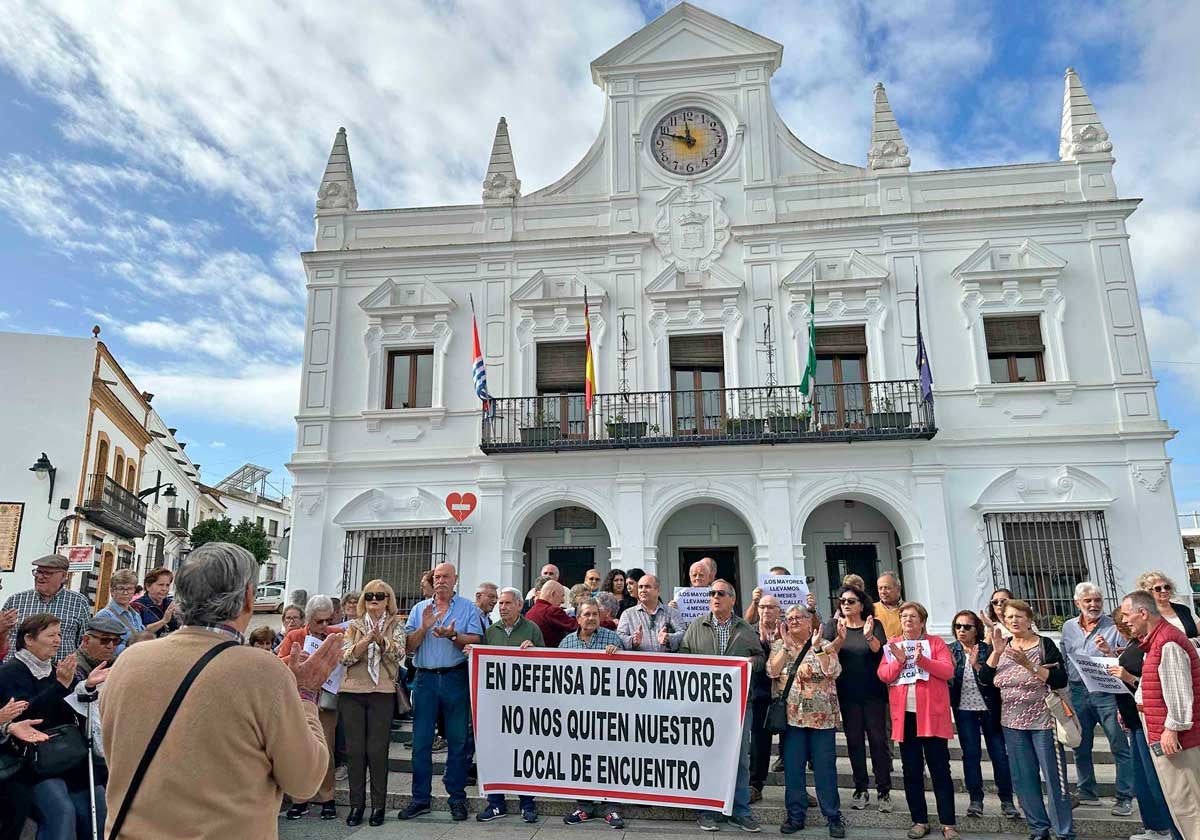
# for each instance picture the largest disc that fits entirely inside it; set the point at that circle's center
(806, 666)
(371, 651)
(919, 696)
(862, 697)
(293, 619)
(61, 803)
(156, 604)
(318, 616)
(122, 586)
(350, 603)
(1176, 613)
(1025, 668)
(977, 715)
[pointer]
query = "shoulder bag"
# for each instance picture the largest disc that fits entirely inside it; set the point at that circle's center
(12, 758)
(777, 721)
(64, 752)
(161, 732)
(1067, 730)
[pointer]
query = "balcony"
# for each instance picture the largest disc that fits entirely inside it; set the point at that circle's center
(856, 411)
(111, 506)
(177, 521)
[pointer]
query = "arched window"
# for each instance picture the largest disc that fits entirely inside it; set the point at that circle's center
(131, 477)
(118, 466)
(102, 457)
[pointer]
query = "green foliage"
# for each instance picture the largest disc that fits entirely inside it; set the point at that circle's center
(249, 535)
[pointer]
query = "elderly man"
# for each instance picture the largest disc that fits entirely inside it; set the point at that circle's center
(1169, 698)
(101, 636)
(1091, 634)
(649, 625)
(769, 614)
(723, 633)
(547, 613)
(549, 572)
(700, 574)
(609, 606)
(438, 629)
(486, 595)
(208, 757)
(592, 581)
(887, 608)
(49, 595)
(319, 615)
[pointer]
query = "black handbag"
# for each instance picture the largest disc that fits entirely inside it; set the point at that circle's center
(777, 721)
(12, 759)
(65, 751)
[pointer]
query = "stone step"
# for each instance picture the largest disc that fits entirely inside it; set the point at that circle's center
(1090, 821)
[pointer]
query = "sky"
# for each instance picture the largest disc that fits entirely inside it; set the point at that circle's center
(159, 161)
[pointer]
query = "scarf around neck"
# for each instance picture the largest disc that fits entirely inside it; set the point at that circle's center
(40, 669)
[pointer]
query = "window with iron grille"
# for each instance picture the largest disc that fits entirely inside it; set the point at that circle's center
(1015, 349)
(398, 556)
(1041, 556)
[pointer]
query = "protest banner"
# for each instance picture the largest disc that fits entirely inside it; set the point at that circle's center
(789, 590)
(648, 728)
(1094, 672)
(691, 601)
(311, 643)
(910, 673)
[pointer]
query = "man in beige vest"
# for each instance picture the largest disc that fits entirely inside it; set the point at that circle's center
(246, 733)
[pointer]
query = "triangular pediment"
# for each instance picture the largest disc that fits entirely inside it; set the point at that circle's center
(406, 296)
(1044, 489)
(854, 270)
(715, 281)
(686, 34)
(1026, 260)
(406, 507)
(562, 288)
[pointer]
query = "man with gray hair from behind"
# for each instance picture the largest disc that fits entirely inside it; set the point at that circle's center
(229, 747)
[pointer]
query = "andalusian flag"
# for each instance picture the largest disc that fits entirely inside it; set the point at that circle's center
(589, 369)
(808, 385)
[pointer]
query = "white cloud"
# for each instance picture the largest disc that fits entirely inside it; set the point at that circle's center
(217, 444)
(262, 396)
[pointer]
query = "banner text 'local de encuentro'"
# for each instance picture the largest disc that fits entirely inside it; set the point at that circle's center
(649, 728)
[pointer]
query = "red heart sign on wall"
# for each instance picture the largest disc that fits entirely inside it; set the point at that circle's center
(461, 505)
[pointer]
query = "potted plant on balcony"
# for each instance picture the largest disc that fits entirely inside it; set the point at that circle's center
(541, 431)
(886, 416)
(745, 427)
(620, 428)
(788, 421)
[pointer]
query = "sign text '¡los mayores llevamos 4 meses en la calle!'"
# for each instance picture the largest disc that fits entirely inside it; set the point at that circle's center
(630, 681)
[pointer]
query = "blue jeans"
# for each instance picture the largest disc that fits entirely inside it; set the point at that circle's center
(741, 790)
(64, 814)
(800, 744)
(447, 693)
(974, 728)
(1028, 751)
(1100, 709)
(497, 799)
(1152, 805)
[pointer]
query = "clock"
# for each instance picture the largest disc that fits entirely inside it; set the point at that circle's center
(689, 141)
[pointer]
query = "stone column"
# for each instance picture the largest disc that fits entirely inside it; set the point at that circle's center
(930, 570)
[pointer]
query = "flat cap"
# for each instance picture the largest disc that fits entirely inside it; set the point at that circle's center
(52, 561)
(105, 624)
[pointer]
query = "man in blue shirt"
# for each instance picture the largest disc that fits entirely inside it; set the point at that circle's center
(438, 629)
(1095, 634)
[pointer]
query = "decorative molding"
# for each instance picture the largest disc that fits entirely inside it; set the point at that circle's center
(1044, 489)
(1064, 392)
(1149, 474)
(408, 507)
(405, 315)
(691, 230)
(549, 306)
(310, 502)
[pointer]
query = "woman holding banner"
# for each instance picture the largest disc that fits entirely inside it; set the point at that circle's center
(804, 668)
(918, 669)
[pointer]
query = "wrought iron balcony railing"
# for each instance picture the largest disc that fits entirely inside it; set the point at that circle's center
(760, 415)
(111, 506)
(177, 520)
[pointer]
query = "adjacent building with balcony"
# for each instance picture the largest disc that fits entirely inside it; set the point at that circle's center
(86, 463)
(246, 494)
(702, 239)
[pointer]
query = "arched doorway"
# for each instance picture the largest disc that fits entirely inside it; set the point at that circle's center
(572, 537)
(707, 530)
(848, 536)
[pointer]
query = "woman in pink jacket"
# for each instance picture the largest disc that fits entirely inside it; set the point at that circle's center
(918, 669)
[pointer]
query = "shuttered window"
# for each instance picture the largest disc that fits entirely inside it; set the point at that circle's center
(697, 351)
(1015, 349)
(842, 341)
(560, 367)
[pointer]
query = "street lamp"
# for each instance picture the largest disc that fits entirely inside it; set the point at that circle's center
(170, 492)
(42, 468)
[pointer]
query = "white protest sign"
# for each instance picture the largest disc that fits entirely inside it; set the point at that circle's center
(692, 602)
(789, 590)
(1094, 672)
(311, 643)
(651, 728)
(910, 673)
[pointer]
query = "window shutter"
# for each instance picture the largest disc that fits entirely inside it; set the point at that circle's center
(1013, 335)
(842, 341)
(560, 366)
(697, 351)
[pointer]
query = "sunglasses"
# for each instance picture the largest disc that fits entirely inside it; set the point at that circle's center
(374, 596)
(1163, 587)
(106, 641)
(719, 593)
(999, 602)
(321, 620)
(964, 626)
(851, 601)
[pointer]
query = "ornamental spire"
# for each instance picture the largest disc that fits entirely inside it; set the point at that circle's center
(888, 150)
(1083, 135)
(501, 182)
(337, 190)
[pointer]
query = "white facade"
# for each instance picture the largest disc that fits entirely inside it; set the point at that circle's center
(168, 519)
(255, 501)
(1028, 483)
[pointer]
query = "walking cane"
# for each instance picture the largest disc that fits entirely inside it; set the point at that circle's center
(87, 700)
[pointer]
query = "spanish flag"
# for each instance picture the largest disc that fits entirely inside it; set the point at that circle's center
(589, 370)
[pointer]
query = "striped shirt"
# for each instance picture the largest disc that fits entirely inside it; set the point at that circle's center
(68, 606)
(601, 639)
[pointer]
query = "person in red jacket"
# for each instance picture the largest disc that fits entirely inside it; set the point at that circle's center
(547, 613)
(1169, 699)
(919, 696)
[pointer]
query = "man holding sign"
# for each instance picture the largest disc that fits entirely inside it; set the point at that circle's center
(721, 633)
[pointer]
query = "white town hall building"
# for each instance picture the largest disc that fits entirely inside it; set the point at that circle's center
(699, 226)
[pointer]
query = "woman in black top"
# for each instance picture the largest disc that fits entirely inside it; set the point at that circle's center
(614, 582)
(862, 697)
(630, 597)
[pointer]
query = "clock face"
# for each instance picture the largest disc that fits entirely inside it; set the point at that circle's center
(689, 141)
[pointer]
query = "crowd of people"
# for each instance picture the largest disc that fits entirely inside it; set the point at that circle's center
(323, 692)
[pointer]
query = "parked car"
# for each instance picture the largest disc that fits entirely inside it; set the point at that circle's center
(269, 599)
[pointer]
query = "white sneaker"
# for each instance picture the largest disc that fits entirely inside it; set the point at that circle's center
(341, 773)
(1151, 835)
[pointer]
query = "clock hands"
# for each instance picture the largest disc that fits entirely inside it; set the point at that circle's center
(688, 138)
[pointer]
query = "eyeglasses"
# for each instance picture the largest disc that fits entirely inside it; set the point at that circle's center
(964, 626)
(1163, 587)
(106, 641)
(124, 589)
(41, 573)
(374, 596)
(796, 619)
(320, 620)
(851, 601)
(719, 593)
(999, 602)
